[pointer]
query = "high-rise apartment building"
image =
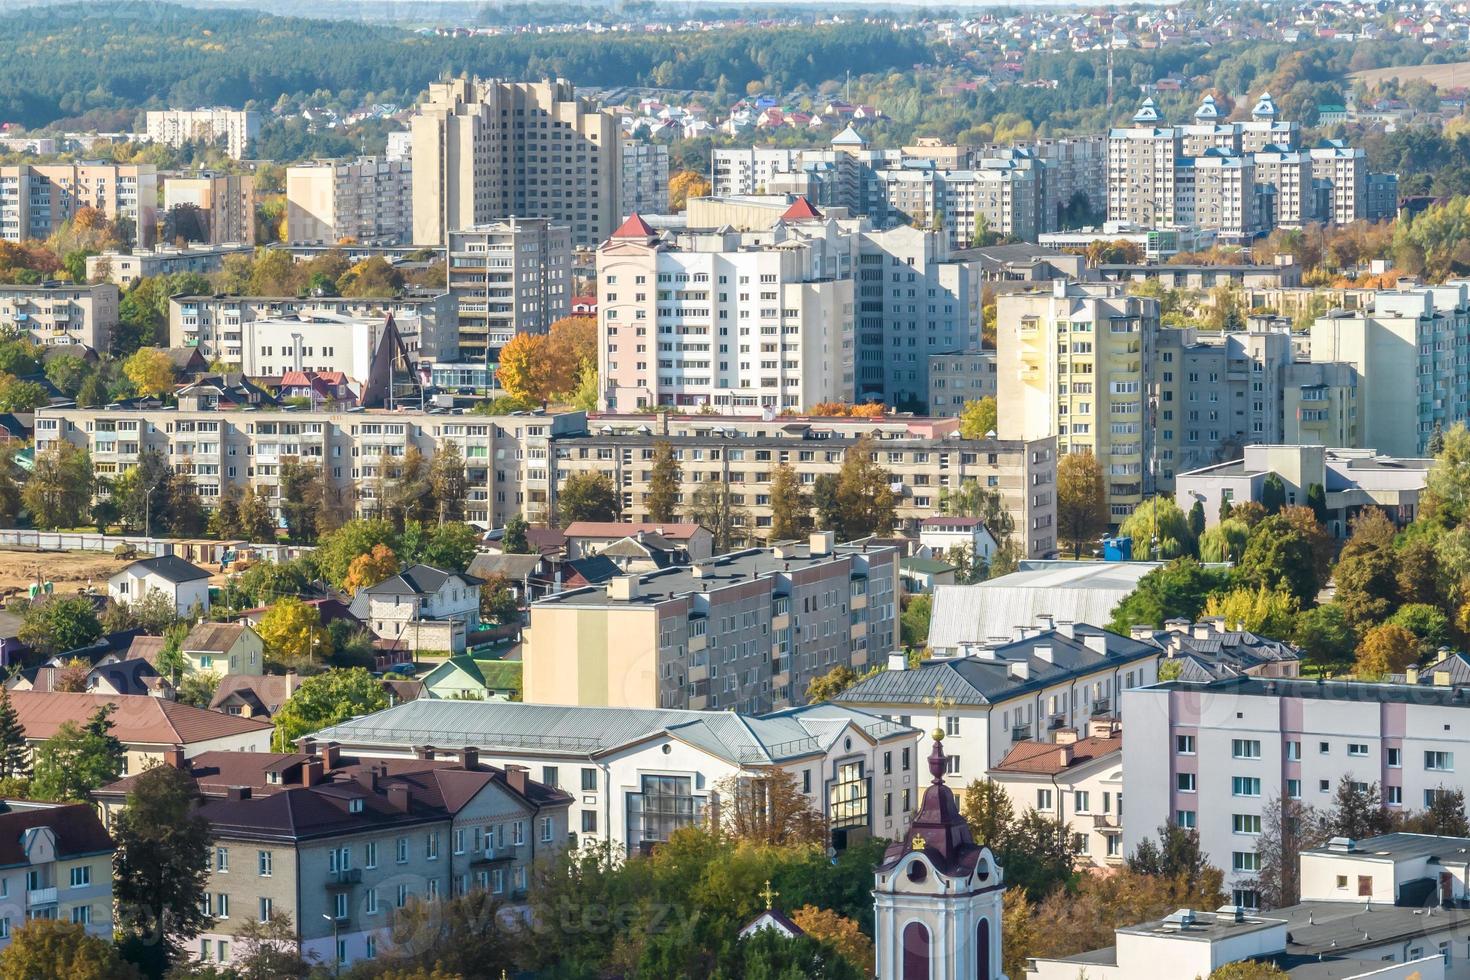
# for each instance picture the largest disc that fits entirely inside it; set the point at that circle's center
(1078, 361)
(508, 277)
(211, 208)
(234, 127)
(369, 199)
(1345, 169)
(1072, 166)
(645, 184)
(36, 199)
(485, 151)
(711, 319)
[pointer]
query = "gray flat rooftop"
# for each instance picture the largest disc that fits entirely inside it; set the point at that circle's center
(1401, 846)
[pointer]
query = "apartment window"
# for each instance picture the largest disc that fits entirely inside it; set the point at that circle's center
(1293, 752)
(370, 901)
(952, 725)
(401, 899)
(1246, 898)
(1394, 758)
(1043, 799)
(431, 845)
(1184, 744)
(1439, 761)
(589, 780)
(402, 855)
(339, 909)
(1246, 861)
(370, 854)
(222, 904)
(1323, 786)
(1245, 823)
(665, 804)
(1080, 802)
(1358, 750)
(1184, 782)
(1393, 795)
(81, 915)
(549, 776)
(1294, 789)
(1245, 786)
(222, 860)
(265, 910)
(370, 947)
(887, 763)
(905, 759)
(4, 927)
(81, 877)
(263, 863)
(1245, 748)
(546, 830)
(1184, 819)
(1323, 748)
(589, 821)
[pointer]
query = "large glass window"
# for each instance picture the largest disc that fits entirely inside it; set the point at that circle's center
(848, 798)
(665, 804)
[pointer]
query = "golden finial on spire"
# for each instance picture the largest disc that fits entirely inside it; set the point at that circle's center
(769, 894)
(940, 702)
(919, 843)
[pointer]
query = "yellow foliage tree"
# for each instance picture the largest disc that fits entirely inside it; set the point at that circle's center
(525, 370)
(839, 932)
(368, 570)
(684, 185)
(292, 632)
(150, 371)
(1386, 649)
(978, 417)
(1266, 611)
(571, 345)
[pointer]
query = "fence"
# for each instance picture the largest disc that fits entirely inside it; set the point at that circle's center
(190, 549)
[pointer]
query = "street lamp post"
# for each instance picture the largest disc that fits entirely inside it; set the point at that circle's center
(336, 950)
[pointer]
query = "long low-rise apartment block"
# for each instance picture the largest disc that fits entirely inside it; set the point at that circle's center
(748, 630)
(55, 314)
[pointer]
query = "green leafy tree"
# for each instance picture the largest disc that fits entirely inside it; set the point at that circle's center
(713, 506)
(1317, 501)
(161, 865)
(1260, 610)
(988, 810)
(1278, 556)
(256, 522)
(15, 762)
(326, 699)
(60, 623)
(1443, 817)
(450, 545)
(58, 492)
(304, 499)
(1357, 812)
(662, 498)
(1430, 626)
(865, 500)
(48, 948)
(1366, 575)
(514, 541)
(1158, 529)
(498, 602)
(588, 497)
(337, 549)
(1325, 637)
(914, 620)
(1225, 542)
(978, 419)
(1273, 493)
(76, 760)
(448, 482)
(1177, 589)
(790, 508)
(1082, 500)
(831, 684)
(824, 500)
(1446, 497)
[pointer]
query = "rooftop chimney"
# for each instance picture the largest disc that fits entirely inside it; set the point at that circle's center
(237, 793)
(1067, 629)
(1441, 678)
(897, 661)
(1201, 631)
(399, 797)
(623, 588)
(1097, 643)
(308, 746)
(1044, 653)
(175, 757)
(821, 543)
(516, 777)
(311, 773)
(1140, 631)
(1018, 670)
(424, 752)
(1046, 621)
(1411, 674)
(1065, 736)
(1102, 728)
(332, 755)
(1064, 755)
(367, 778)
(469, 757)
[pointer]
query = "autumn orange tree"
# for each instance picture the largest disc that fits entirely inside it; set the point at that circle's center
(369, 569)
(524, 370)
(836, 410)
(684, 185)
(839, 932)
(769, 808)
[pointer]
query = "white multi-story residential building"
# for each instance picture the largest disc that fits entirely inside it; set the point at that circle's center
(1404, 354)
(210, 208)
(126, 268)
(1076, 778)
(747, 170)
(369, 199)
(54, 314)
(1345, 169)
(364, 349)
(714, 319)
(36, 199)
(748, 630)
(215, 324)
(645, 169)
(1071, 166)
(489, 150)
(1213, 757)
(639, 774)
(1078, 361)
(1047, 681)
(508, 278)
(234, 127)
(1288, 173)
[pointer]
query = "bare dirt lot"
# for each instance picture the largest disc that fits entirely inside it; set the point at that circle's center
(1442, 76)
(68, 570)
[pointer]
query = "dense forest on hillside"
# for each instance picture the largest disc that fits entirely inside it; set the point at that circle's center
(62, 61)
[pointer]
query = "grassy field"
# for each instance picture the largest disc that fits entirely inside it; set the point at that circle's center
(1442, 76)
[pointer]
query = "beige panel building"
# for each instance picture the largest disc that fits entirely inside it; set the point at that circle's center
(234, 127)
(1077, 362)
(35, 199)
(369, 199)
(488, 150)
(747, 630)
(226, 203)
(60, 314)
(508, 277)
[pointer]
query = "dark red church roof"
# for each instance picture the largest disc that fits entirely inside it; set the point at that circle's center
(938, 828)
(801, 210)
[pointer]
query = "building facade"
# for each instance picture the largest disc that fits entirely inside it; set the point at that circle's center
(234, 127)
(960, 377)
(485, 151)
(36, 199)
(224, 205)
(126, 268)
(57, 314)
(645, 184)
(56, 863)
(508, 278)
(369, 199)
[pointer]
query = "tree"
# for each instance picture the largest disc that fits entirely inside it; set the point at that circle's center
(831, 684)
(1082, 500)
(865, 500)
(1196, 520)
(662, 498)
(498, 602)
(304, 499)
(588, 497)
(71, 678)
(1430, 627)
(368, 570)
(17, 395)
(685, 184)
(524, 368)
(1325, 637)
(161, 865)
(1260, 610)
(1446, 497)
(268, 950)
(15, 760)
(1386, 649)
(1317, 501)
(1288, 827)
(447, 480)
(45, 948)
(1159, 529)
(256, 523)
(198, 688)
(571, 348)
(841, 933)
(790, 508)
(151, 372)
(1278, 556)
(372, 277)
(58, 492)
(769, 808)
(470, 935)
(988, 810)
(326, 699)
(1178, 589)
(337, 550)
(1249, 970)
(713, 506)
(824, 499)
(1357, 812)
(979, 418)
(514, 540)
(292, 632)
(1176, 855)
(1273, 493)
(58, 624)
(914, 619)
(1443, 817)
(74, 761)
(1225, 542)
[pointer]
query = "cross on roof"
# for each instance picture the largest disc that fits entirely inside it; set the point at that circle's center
(768, 893)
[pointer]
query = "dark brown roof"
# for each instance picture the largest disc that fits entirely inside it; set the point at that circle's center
(1047, 758)
(77, 829)
(213, 637)
(138, 720)
(263, 692)
(146, 648)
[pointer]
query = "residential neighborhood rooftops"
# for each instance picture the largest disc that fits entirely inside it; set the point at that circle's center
(673, 531)
(136, 720)
(77, 829)
(213, 637)
(1052, 758)
(418, 580)
(168, 567)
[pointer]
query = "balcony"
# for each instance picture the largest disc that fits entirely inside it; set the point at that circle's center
(780, 621)
(1020, 733)
(697, 643)
(41, 896)
(698, 673)
(345, 878)
(1101, 706)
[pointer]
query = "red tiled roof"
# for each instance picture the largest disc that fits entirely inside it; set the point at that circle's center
(1046, 758)
(138, 720)
(618, 529)
(801, 210)
(634, 227)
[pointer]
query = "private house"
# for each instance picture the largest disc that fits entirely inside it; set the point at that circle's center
(942, 535)
(148, 727)
(918, 574)
(185, 584)
(1078, 781)
(421, 608)
(253, 695)
(458, 677)
(224, 648)
(55, 863)
(586, 538)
